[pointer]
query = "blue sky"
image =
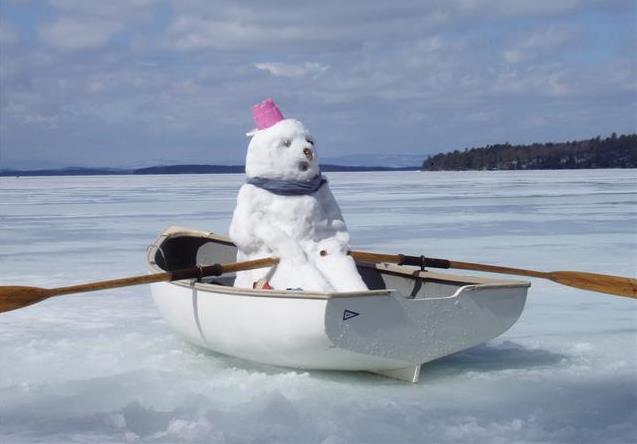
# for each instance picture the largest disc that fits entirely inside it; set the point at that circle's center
(143, 82)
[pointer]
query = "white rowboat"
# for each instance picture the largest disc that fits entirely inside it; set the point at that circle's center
(408, 317)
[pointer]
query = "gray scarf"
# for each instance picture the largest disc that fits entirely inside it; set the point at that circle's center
(288, 187)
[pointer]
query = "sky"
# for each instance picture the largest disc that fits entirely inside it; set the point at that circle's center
(128, 83)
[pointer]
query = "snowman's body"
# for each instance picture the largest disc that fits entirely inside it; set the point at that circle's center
(305, 229)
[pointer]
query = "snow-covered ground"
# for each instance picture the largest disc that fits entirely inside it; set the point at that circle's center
(103, 367)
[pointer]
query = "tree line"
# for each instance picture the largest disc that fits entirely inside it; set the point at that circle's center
(611, 152)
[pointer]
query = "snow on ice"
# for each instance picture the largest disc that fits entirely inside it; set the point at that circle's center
(103, 367)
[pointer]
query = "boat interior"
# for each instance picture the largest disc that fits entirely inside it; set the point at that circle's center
(176, 250)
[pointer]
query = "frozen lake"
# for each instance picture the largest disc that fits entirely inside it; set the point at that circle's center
(103, 367)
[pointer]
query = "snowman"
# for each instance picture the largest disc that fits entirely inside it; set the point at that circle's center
(286, 209)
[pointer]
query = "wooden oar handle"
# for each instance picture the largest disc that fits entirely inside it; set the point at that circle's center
(399, 259)
(14, 297)
(196, 272)
(202, 271)
(423, 261)
(603, 283)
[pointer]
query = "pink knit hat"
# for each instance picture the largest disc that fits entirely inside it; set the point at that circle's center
(266, 114)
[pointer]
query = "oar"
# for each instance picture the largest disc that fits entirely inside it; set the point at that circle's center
(603, 283)
(13, 297)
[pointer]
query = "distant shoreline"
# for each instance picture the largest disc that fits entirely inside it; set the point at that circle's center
(597, 153)
(177, 169)
(614, 152)
(71, 172)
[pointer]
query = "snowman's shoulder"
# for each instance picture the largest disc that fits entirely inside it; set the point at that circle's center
(251, 192)
(324, 194)
(250, 201)
(328, 203)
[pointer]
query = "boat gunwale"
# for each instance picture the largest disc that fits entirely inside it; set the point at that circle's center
(412, 273)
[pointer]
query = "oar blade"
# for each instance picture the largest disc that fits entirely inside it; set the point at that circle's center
(13, 297)
(617, 285)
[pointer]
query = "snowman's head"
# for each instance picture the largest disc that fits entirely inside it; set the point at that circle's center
(285, 150)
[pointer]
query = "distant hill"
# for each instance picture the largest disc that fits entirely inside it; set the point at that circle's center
(217, 169)
(612, 152)
(178, 169)
(190, 169)
(71, 171)
(393, 160)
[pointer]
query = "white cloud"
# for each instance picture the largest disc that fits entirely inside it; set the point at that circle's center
(513, 55)
(292, 69)
(521, 8)
(222, 25)
(105, 9)
(458, 70)
(186, 87)
(94, 86)
(89, 25)
(75, 34)
(540, 43)
(547, 81)
(550, 37)
(339, 27)
(189, 33)
(8, 34)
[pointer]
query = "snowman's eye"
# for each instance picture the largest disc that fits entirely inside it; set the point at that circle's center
(286, 142)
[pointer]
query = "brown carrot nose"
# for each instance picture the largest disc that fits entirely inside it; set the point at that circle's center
(309, 154)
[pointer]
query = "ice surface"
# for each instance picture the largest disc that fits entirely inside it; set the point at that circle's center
(103, 367)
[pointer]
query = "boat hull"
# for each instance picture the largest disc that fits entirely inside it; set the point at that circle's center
(411, 317)
(288, 332)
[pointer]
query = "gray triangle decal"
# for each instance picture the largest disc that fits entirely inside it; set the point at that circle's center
(349, 314)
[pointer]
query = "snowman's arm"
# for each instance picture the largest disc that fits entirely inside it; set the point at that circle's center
(277, 241)
(242, 225)
(339, 238)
